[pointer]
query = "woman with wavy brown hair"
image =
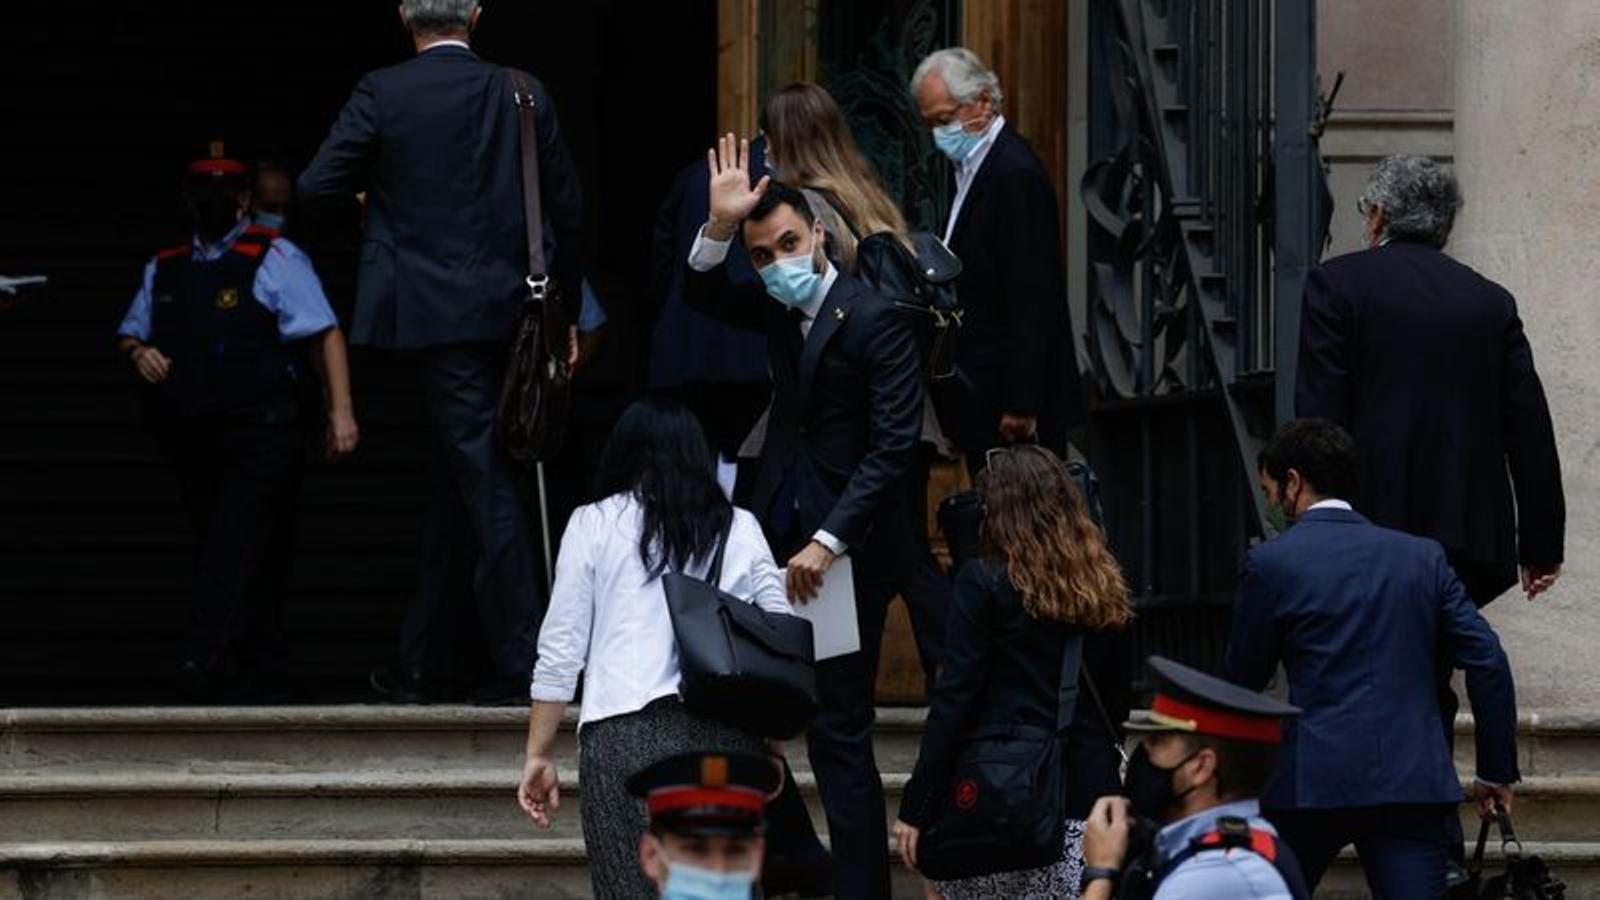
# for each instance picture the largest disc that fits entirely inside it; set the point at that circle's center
(1045, 580)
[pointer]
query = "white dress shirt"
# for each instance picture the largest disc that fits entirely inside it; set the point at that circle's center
(967, 170)
(446, 42)
(708, 253)
(1331, 504)
(608, 618)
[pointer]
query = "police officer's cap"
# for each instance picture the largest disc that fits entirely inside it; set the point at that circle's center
(708, 794)
(1191, 701)
(217, 164)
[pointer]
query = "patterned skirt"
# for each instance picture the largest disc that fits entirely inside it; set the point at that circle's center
(1053, 882)
(612, 749)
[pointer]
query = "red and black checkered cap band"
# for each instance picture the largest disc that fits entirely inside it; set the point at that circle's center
(1182, 716)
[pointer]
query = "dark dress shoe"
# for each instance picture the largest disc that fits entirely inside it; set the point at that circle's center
(409, 684)
(198, 684)
(501, 692)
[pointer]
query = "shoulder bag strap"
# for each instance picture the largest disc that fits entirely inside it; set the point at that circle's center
(1071, 662)
(522, 92)
(714, 574)
(1105, 717)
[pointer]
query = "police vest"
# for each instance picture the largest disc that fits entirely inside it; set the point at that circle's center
(227, 356)
(1230, 833)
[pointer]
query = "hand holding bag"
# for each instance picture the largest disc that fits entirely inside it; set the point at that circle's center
(738, 663)
(1525, 877)
(537, 392)
(1005, 808)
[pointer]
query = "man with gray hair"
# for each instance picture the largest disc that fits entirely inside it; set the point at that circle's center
(1425, 363)
(435, 143)
(1015, 347)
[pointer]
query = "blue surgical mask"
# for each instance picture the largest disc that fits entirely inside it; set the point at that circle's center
(270, 220)
(791, 280)
(686, 882)
(954, 141)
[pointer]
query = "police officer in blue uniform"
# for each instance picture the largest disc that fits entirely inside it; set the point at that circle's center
(707, 813)
(1208, 747)
(221, 330)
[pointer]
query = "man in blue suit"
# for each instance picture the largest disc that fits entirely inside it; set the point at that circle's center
(435, 143)
(1357, 614)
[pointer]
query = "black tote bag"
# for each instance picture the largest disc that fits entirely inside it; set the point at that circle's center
(740, 664)
(1005, 807)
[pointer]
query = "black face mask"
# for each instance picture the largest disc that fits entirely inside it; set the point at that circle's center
(215, 213)
(1149, 787)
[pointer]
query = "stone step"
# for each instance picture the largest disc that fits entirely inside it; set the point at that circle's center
(311, 870)
(309, 738)
(246, 740)
(458, 805)
(454, 804)
(1548, 743)
(1577, 863)
(425, 869)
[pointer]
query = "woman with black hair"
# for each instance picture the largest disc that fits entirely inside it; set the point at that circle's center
(660, 510)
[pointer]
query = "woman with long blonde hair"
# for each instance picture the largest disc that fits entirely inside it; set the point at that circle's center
(809, 145)
(1046, 580)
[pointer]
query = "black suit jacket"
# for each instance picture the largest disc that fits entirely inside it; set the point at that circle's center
(1003, 667)
(436, 144)
(1015, 342)
(688, 346)
(845, 420)
(1425, 362)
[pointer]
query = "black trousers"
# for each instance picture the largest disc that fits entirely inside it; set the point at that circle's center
(839, 743)
(1398, 845)
(475, 523)
(1483, 584)
(928, 591)
(239, 481)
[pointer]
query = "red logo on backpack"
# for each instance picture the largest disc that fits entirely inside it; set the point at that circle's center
(966, 794)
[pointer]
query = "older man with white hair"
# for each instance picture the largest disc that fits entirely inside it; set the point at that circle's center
(1015, 347)
(435, 143)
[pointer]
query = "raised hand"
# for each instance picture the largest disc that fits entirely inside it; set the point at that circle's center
(732, 197)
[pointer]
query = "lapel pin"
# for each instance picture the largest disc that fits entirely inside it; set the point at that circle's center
(838, 314)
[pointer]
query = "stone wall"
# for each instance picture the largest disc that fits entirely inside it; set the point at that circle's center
(1527, 99)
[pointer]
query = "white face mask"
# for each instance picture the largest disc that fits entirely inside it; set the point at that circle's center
(686, 882)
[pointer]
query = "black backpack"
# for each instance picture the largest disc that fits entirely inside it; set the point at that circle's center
(920, 282)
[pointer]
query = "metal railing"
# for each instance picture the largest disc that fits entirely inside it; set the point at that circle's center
(1202, 189)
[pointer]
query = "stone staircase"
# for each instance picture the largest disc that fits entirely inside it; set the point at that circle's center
(376, 801)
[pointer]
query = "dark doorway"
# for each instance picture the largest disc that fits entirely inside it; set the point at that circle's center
(101, 107)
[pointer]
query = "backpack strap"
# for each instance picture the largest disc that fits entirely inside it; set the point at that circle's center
(1234, 833)
(1067, 696)
(252, 244)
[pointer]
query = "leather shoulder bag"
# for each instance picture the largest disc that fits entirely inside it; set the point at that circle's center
(537, 392)
(740, 664)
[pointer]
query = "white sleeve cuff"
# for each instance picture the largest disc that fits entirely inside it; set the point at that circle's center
(545, 692)
(707, 253)
(837, 546)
